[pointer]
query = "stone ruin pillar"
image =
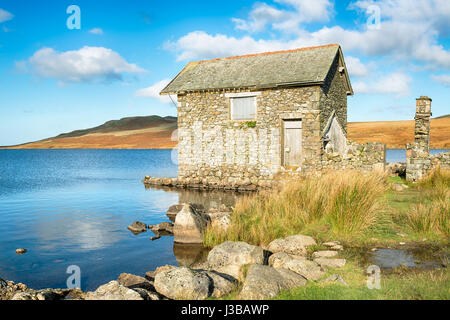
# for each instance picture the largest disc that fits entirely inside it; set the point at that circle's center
(418, 161)
(422, 126)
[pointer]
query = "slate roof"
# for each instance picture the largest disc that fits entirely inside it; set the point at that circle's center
(265, 70)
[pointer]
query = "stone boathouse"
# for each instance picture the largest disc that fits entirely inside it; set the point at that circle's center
(247, 121)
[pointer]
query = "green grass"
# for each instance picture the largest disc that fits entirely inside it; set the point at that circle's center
(340, 204)
(418, 285)
(362, 211)
(358, 210)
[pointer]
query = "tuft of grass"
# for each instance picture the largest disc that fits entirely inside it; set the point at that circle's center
(346, 203)
(430, 217)
(436, 186)
(432, 213)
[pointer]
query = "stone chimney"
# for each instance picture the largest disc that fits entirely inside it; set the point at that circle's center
(422, 126)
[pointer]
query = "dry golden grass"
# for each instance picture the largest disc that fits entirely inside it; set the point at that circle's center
(348, 202)
(432, 213)
(396, 134)
(151, 138)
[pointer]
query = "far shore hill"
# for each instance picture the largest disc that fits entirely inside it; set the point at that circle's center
(155, 132)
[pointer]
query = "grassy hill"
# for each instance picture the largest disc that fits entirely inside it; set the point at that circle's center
(396, 134)
(154, 132)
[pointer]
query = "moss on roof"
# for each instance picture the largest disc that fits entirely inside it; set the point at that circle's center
(266, 70)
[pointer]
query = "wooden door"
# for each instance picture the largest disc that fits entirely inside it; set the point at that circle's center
(292, 143)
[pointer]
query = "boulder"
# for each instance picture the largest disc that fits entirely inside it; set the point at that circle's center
(162, 229)
(310, 270)
(229, 257)
(331, 244)
(182, 283)
(295, 245)
(173, 211)
(220, 220)
(335, 278)
(138, 227)
(222, 284)
(334, 245)
(132, 281)
(324, 254)
(46, 294)
(264, 282)
(150, 275)
(113, 291)
(189, 225)
(331, 263)
(8, 289)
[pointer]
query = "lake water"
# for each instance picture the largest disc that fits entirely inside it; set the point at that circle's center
(72, 207)
(393, 155)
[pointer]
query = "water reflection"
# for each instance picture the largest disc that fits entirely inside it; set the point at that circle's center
(188, 255)
(425, 258)
(78, 231)
(207, 198)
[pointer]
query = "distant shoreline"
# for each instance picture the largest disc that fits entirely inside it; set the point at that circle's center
(156, 133)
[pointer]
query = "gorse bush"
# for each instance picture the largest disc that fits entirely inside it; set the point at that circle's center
(348, 202)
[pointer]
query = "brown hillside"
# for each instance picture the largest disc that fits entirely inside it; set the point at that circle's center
(396, 134)
(156, 133)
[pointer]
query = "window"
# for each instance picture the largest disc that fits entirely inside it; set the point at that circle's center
(243, 108)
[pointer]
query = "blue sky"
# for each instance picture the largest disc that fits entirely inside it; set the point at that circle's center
(54, 80)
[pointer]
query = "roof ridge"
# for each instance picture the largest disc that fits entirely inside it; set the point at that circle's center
(267, 53)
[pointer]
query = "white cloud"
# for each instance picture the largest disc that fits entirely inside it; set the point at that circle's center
(84, 65)
(259, 17)
(398, 37)
(97, 31)
(287, 19)
(201, 45)
(5, 15)
(432, 12)
(356, 67)
(154, 90)
(394, 83)
(442, 79)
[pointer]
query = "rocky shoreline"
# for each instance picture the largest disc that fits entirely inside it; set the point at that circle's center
(199, 184)
(251, 272)
(244, 185)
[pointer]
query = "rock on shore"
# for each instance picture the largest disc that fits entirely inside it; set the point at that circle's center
(189, 225)
(259, 273)
(264, 282)
(183, 284)
(295, 245)
(230, 257)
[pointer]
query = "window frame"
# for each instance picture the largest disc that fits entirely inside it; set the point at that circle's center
(233, 96)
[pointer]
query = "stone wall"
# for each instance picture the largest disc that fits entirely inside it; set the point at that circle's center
(363, 157)
(216, 152)
(333, 97)
(419, 161)
(214, 149)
